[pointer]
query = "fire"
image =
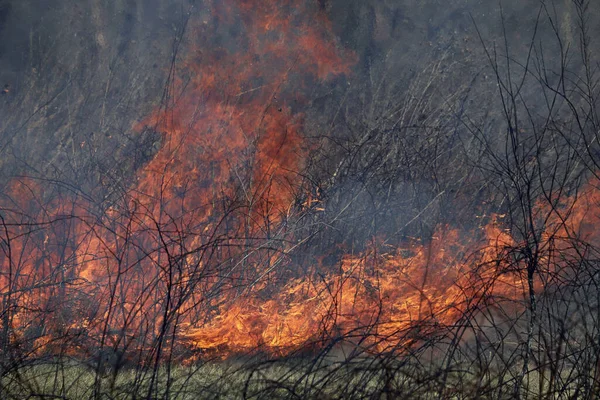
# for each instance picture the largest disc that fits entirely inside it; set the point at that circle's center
(191, 229)
(378, 296)
(199, 246)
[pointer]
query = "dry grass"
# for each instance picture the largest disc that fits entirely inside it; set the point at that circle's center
(290, 379)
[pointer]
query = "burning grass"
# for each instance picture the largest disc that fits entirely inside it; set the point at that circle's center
(167, 289)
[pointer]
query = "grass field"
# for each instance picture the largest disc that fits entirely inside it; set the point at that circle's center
(364, 378)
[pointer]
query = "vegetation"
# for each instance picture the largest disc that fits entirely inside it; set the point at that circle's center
(278, 227)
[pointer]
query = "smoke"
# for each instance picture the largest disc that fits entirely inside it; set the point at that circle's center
(229, 138)
(79, 72)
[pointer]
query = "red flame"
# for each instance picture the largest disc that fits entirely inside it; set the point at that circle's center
(196, 242)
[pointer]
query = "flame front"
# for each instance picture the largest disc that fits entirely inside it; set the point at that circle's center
(199, 245)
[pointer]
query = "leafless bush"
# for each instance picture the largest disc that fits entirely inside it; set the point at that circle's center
(404, 163)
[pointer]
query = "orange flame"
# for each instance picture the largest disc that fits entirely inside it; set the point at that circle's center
(225, 176)
(195, 243)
